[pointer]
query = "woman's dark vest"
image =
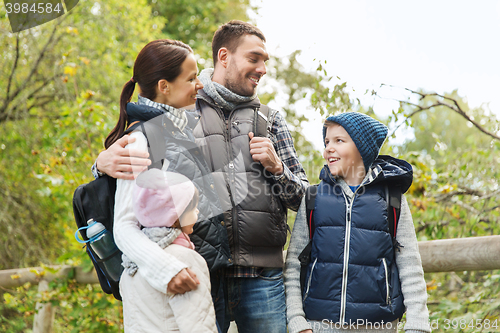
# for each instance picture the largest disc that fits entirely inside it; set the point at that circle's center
(254, 215)
(354, 276)
(183, 156)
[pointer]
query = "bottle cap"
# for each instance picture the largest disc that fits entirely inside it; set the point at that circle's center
(94, 229)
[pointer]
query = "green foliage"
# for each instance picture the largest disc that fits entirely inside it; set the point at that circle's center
(194, 22)
(468, 299)
(44, 71)
(455, 189)
(60, 85)
(455, 194)
(329, 100)
(49, 65)
(25, 199)
(79, 308)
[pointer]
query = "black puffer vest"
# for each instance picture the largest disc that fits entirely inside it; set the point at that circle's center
(255, 217)
(183, 156)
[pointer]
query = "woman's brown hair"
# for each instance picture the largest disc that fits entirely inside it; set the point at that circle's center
(159, 60)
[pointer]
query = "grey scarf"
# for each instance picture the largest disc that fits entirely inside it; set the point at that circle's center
(162, 235)
(177, 116)
(224, 97)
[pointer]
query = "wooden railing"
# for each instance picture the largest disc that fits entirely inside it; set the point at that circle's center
(447, 255)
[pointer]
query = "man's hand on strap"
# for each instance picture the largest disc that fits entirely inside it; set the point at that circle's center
(263, 151)
(123, 163)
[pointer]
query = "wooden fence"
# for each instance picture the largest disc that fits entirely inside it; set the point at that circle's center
(447, 255)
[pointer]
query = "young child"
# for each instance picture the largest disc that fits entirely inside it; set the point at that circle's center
(165, 204)
(352, 282)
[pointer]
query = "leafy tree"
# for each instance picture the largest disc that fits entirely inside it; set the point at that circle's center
(455, 194)
(60, 83)
(55, 62)
(44, 71)
(194, 22)
(458, 164)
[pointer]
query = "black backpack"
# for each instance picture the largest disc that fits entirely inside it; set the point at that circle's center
(96, 200)
(393, 199)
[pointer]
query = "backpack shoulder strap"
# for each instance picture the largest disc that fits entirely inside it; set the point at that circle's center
(305, 255)
(310, 196)
(154, 138)
(393, 198)
(263, 117)
(156, 143)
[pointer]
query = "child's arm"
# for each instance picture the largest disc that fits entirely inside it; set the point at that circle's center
(411, 274)
(300, 237)
(155, 265)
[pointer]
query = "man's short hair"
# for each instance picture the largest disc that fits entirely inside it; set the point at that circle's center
(229, 36)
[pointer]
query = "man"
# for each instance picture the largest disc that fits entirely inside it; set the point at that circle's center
(257, 177)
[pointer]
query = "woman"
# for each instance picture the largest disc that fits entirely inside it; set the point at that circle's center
(166, 73)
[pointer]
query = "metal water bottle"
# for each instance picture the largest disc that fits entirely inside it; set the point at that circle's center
(101, 241)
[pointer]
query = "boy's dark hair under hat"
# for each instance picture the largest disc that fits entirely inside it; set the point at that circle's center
(367, 133)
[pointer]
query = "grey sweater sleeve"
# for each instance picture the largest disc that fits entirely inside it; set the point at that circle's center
(300, 237)
(411, 274)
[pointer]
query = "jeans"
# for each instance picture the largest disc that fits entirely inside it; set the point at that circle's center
(257, 304)
(217, 284)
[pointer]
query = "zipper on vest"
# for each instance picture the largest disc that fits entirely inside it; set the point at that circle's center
(387, 296)
(229, 123)
(345, 270)
(235, 125)
(234, 215)
(229, 177)
(309, 280)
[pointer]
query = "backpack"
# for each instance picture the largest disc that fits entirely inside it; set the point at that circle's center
(96, 200)
(393, 198)
(263, 117)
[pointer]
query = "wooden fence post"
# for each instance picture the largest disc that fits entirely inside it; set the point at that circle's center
(44, 312)
(461, 254)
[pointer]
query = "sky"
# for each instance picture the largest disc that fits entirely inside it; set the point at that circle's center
(438, 46)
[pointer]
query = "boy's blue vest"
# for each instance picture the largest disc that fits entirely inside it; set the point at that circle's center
(354, 276)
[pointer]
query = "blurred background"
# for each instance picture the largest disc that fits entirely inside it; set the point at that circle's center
(429, 70)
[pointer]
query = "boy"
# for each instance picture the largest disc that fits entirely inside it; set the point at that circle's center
(352, 280)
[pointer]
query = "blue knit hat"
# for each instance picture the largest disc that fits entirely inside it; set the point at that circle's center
(367, 133)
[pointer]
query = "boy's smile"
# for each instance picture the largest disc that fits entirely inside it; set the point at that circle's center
(342, 156)
(332, 160)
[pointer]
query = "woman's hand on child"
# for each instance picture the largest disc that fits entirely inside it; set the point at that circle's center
(120, 162)
(184, 281)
